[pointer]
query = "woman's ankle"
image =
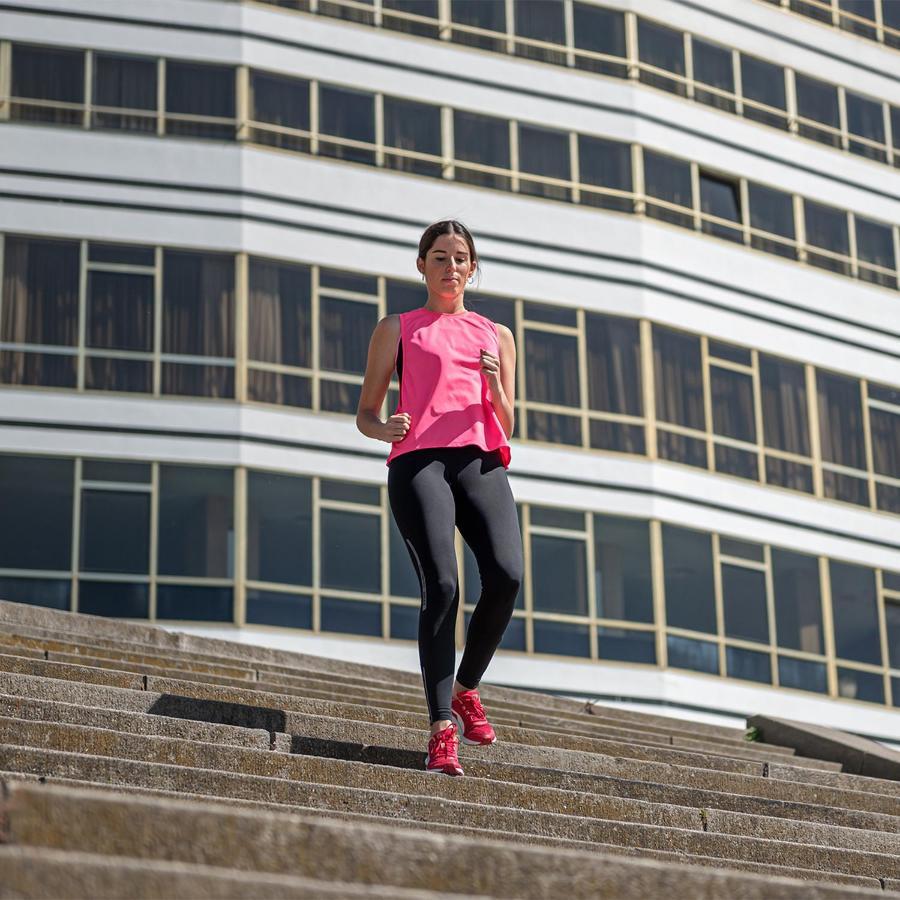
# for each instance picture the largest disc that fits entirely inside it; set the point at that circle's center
(440, 725)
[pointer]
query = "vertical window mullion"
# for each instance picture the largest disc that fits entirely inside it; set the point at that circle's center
(707, 403)
(719, 604)
(529, 585)
(770, 611)
(790, 98)
(842, 111)
(815, 437)
(316, 511)
(242, 97)
(379, 133)
(314, 324)
(154, 537)
(895, 231)
(520, 372)
(851, 244)
(688, 65)
(758, 416)
(239, 610)
(5, 78)
(659, 591)
(82, 315)
(511, 49)
(889, 699)
(449, 170)
(583, 389)
(648, 387)
(574, 170)
(314, 117)
(631, 48)
(241, 304)
(444, 31)
(157, 320)
(867, 438)
(160, 97)
(799, 227)
(828, 625)
(514, 155)
(591, 582)
(637, 168)
(76, 534)
(738, 85)
(569, 27)
(88, 87)
(695, 195)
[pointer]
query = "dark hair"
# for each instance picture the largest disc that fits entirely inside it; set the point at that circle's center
(448, 226)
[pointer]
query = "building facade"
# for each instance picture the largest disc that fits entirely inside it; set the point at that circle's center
(687, 213)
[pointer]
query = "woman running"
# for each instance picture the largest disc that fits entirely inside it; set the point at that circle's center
(447, 468)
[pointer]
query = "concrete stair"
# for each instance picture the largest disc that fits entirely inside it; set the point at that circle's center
(140, 762)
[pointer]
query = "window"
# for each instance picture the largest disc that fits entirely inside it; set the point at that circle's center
(551, 376)
(762, 85)
(892, 622)
(885, 426)
(199, 604)
(282, 102)
(198, 320)
(841, 435)
(196, 524)
(114, 598)
(345, 327)
(818, 101)
(687, 562)
(875, 246)
(481, 141)
(698, 656)
(49, 77)
(865, 120)
(393, 18)
(661, 48)
(115, 531)
(744, 603)
(733, 414)
(484, 16)
(669, 180)
(544, 152)
(798, 604)
(351, 550)
(279, 608)
(200, 100)
(124, 82)
(561, 638)
(415, 127)
(340, 10)
(772, 220)
(622, 569)
(858, 16)
(749, 665)
(720, 198)
(559, 577)
(713, 67)
(599, 30)
(890, 16)
(605, 164)
(542, 21)
(349, 116)
(855, 613)
(679, 394)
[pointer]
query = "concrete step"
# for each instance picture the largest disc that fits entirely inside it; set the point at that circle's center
(313, 847)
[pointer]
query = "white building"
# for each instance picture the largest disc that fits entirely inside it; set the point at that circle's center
(206, 206)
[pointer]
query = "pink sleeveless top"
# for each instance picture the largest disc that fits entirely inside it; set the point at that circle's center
(441, 383)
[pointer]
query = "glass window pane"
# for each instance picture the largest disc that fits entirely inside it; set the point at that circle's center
(428, 9)
(661, 48)
(678, 378)
(403, 296)
(279, 608)
(668, 179)
(865, 119)
(543, 151)
(748, 664)
(885, 441)
(120, 311)
(281, 101)
(744, 602)
(404, 622)
(713, 67)
(280, 313)
(541, 20)
(826, 227)
(482, 140)
(856, 685)
(340, 397)
(203, 604)
(601, 31)
(350, 492)
(345, 327)
(740, 549)
(617, 437)
(200, 89)
(125, 82)
(279, 528)
(351, 550)
(699, 656)
(787, 474)
(113, 470)
(54, 594)
(614, 364)
(44, 73)
(558, 576)
(350, 115)
(623, 585)
(46, 369)
(860, 12)
(762, 84)
(690, 597)
(562, 638)
(802, 674)
(798, 607)
(342, 280)
(772, 212)
(604, 163)
(818, 100)
(351, 616)
(553, 517)
(720, 197)
(875, 244)
(721, 350)
(36, 495)
(855, 613)
(113, 598)
(626, 645)
(115, 531)
(198, 303)
(414, 127)
(196, 522)
(732, 404)
(127, 254)
(348, 13)
(888, 498)
(547, 312)
(682, 449)
(733, 461)
(553, 428)
(838, 486)
(40, 292)
(487, 15)
(840, 420)
(551, 368)
(784, 408)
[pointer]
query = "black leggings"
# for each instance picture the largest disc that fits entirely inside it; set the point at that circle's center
(431, 491)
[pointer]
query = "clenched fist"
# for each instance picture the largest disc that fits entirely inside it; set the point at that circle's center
(396, 427)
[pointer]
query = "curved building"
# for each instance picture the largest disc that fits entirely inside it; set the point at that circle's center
(687, 213)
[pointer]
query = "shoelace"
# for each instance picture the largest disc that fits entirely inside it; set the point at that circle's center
(472, 702)
(441, 744)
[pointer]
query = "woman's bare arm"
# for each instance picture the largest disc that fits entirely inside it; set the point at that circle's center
(501, 375)
(379, 366)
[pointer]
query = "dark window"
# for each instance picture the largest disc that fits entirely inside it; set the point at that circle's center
(744, 602)
(278, 608)
(558, 574)
(617, 437)
(345, 327)
(890, 16)
(351, 550)
(858, 16)
(721, 199)
(349, 115)
(483, 140)
(614, 364)
(486, 15)
(857, 685)
(734, 461)
(415, 127)
(561, 638)
(112, 470)
(840, 420)
(699, 656)
(426, 9)
(885, 426)
(554, 517)
(826, 227)
(678, 377)
(196, 522)
(36, 496)
(682, 449)
(551, 313)
(51, 75)
(540, 20)
(740, 549)
(115, 531)
(544, 152)
(119, 311)
(202, 604)
(892, 623)
(276, 100)
(732, 404)
(600, 31)
(798, 605)
(875, 245)
(279, 528)
(622, 569)
(748, 664)
(52, 593)
(772, 212)
(690, 597)
(340, 10)
(818, 100)
(200, 93)
(668, 179)
(405, 622)
(784, 407)
(349, 491)
(661, 48)
(551, 368)
(113, 598)
(125, 82)
(626, 645)
(802, 674)
(351, 616)
(855, 613)
(731, 352)
(762, 85)
(713, 67)
(605, 164)
(279, 314)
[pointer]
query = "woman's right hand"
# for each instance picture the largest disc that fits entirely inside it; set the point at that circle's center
(396, 427)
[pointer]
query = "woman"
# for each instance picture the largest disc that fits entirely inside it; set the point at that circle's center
(447, 467)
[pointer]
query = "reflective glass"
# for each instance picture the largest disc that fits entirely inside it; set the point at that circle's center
(561, 638)
(818, 100)
(345, 327)
(280, 314)
(279, 608)
(120, 311)
(415, 127)
(558, 577)
(427, 9)
(740, 549)
(855, 612)
(199, 604)
(798, 605)
(840, 420)
(892, 624)
(483, 140)
(115, 531)
(350, 115)
(762, 85)
(885, 441)
(690, 597)
(351, 550)
(744, 603)
(614, 364)
(713, 67)
(699, 656)
(802, 674)
(404, 622)
(113, 598)
(732, 404)
(857, 685)
(661, 48)
(52, 593)
(351, 616)
(622, 577)
(601, 31)
(681, 448)
(487, 15)
(875, 244)
(678, 377)
(748, 665)
(626, 645)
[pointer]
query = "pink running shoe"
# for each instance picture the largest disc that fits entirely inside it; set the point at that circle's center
(468, 713)
(442, 749)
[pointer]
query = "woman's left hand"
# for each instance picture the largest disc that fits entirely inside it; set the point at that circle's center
(490, 368)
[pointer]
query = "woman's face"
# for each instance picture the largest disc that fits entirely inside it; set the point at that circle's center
(447, 265)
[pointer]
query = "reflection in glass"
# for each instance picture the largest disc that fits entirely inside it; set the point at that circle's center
(626, 645)
(279, 608)
(199, 604)
(802, 674)
(748, 665)
(562, 638)
(114, 598)
(744, 603)
(614, 364)
(875, 245)
(52, 593)
(818, 100)
(428, 9)
(351, 616)
(857, 685)
(699, 656)
(690, 597)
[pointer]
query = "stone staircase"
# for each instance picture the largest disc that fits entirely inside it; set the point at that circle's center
(144, 763)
